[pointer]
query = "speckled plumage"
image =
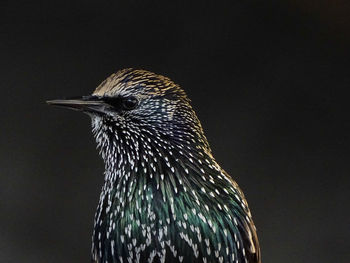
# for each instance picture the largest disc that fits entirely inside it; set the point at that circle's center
(164, 198)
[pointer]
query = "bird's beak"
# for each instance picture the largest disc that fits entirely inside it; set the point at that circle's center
(88, 104)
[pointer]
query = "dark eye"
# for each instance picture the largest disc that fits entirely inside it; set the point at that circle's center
(130, 103)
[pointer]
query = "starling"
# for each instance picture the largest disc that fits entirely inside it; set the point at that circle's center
(164, 197)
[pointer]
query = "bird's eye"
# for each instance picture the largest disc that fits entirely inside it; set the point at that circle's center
(130, 103)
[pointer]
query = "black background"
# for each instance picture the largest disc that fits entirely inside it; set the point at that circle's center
(268, 80)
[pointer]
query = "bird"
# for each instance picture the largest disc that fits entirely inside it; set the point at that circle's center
(164, 196)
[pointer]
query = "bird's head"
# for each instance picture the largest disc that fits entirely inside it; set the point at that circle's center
(135, 102)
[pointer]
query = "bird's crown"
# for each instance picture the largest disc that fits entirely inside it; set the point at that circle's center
(139, 82)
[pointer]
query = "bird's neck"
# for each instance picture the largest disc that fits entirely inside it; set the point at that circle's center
(172, 163)
(153, 159)
(142, 157)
